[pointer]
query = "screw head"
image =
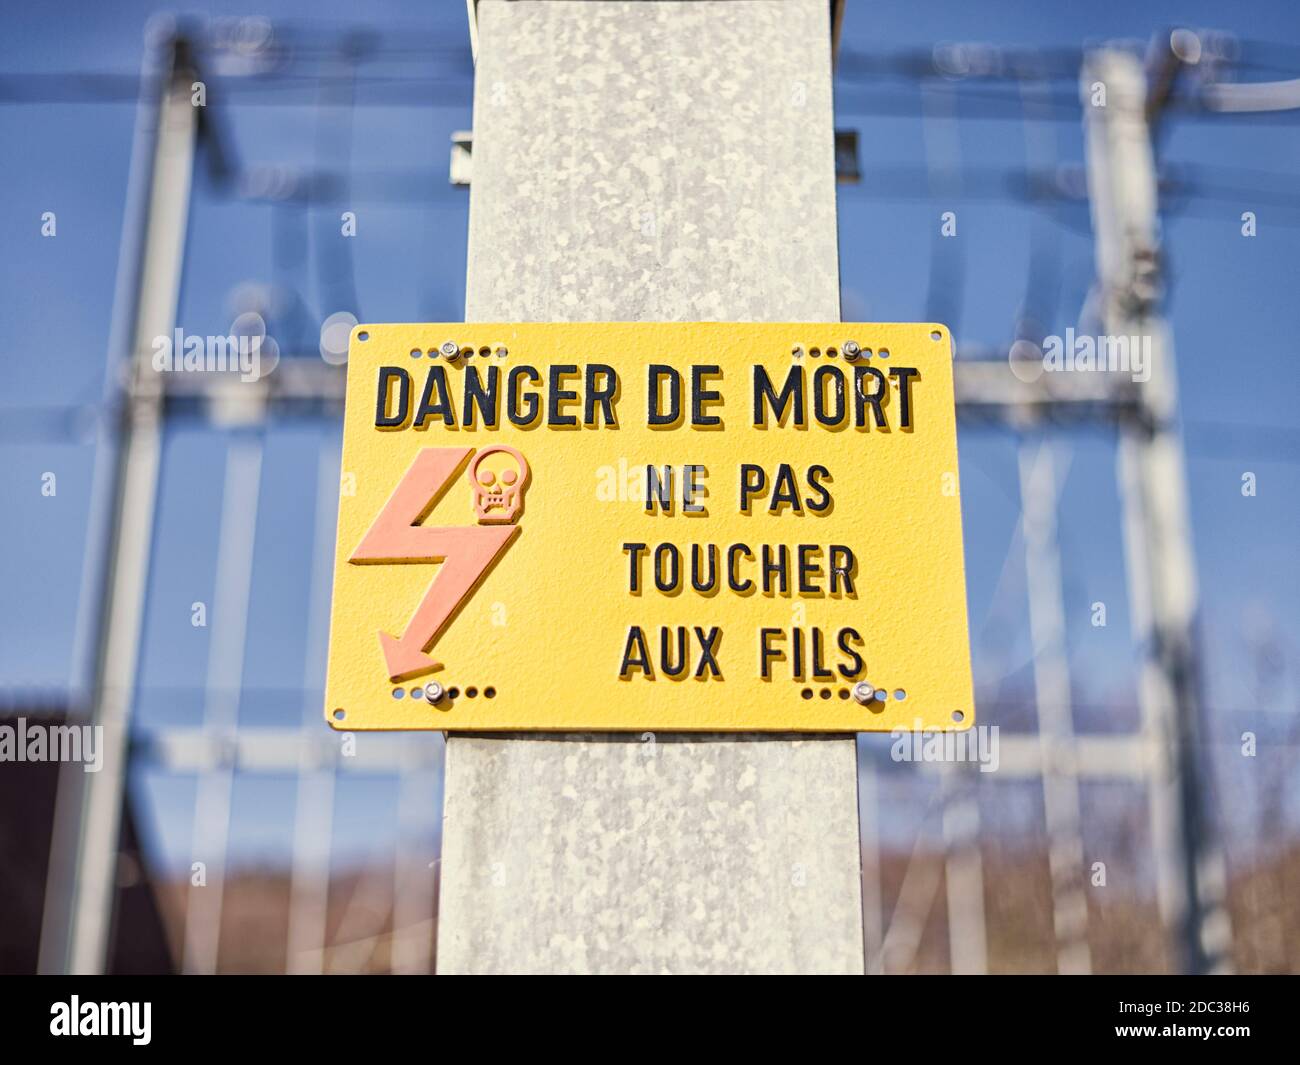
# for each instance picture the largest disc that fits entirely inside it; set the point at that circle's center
(863, 692)
(850, 349)
(433, 691)
(450, 348)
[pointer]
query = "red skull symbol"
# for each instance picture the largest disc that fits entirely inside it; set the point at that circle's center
(498, 485)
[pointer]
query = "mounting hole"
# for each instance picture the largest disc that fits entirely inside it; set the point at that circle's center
(363, 335)
(844, 693)
(796, 352)
(484, 352)
(398, 692)
(826, 693)
(417, 693)
(883, 353)
(806, 693)
(471, 693)
(416, 353)
(433, 353)
(340, 714)
(831, 353)
(467, 352)
(814, 353)
(958, 716)
(935, 334)
(899, 694)
(453, 693)
(489, 693)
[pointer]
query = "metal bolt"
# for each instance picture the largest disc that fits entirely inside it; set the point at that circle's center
(851, 349)
(433, 691)
(451, 349)
(863, 692)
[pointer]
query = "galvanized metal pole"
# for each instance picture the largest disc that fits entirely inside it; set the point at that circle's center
(963, 870)
(1162, 575)
(644, 161)
(1039, 498)
(313, 817)
(214, 791)
(83, 865)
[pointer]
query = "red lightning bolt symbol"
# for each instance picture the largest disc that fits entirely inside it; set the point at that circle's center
(466, 554)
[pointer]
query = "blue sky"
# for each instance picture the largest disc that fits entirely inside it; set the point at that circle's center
(1232, 304)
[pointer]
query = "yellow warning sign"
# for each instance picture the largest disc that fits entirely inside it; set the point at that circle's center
(668, 526)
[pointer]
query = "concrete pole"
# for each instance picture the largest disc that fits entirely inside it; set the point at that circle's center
(652, 161)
